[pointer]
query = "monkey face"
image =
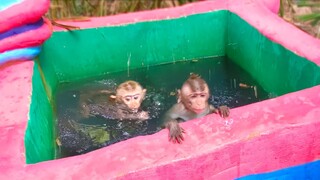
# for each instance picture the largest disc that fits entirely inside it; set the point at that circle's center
(131, 98)
(130, 94)
(197, 101)
(133, 102)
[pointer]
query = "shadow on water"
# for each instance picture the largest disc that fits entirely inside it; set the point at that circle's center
(78, 135)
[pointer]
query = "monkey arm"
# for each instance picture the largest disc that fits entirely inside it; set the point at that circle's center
(222, 110)
(140, 115)
(143, 115)
(175, 131)
(106, 92)
(213, 109)
(174, 113)
(172, 124)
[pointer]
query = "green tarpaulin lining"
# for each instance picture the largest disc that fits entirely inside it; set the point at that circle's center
(81, 54)
(277, 69)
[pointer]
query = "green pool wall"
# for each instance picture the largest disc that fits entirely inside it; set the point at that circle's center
(39, 138)
(277, 69)
(110, 49)
(81, 54)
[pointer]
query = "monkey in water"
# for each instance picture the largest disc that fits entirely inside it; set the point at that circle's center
(192, 103)
(124, 105)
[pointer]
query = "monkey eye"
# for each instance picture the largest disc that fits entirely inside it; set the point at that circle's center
(127, 99)
(136, 97)
(202, 95)
(193, 96)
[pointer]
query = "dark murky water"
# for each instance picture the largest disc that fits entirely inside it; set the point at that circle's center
(78, 135)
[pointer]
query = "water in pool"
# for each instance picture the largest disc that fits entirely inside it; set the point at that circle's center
(77, 134)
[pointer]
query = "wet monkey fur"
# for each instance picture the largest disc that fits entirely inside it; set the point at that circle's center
(192, 103)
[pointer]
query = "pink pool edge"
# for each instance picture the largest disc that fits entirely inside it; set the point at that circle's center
(24, 12)
(288, 126)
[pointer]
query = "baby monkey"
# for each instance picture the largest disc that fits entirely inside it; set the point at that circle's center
(129, 96)
(124, 105)
(192, 103)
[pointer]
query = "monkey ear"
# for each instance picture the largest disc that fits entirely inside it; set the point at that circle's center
(113, 96)
(144, 90)
(179, 95)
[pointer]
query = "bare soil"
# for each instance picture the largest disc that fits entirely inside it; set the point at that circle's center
(292, 12)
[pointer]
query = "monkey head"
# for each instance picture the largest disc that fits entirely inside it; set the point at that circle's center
(131, 94)
(194, 94)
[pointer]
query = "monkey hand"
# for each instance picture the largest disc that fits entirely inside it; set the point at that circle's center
(224, 111)
(144, 115)
(175, 132)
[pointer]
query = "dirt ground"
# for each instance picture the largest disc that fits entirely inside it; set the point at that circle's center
(292, 12)
(68, 10)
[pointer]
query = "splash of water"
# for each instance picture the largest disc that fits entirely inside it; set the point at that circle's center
(128, 65)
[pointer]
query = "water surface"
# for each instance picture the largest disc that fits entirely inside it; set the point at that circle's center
(78, 135)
